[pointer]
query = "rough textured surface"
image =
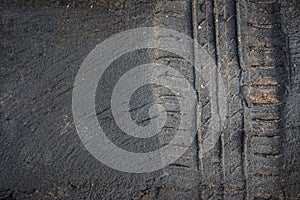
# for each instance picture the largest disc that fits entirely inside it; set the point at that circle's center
(256, 46)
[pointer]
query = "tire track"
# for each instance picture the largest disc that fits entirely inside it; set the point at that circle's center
(229, 65)
(264, 77)
(209, 165)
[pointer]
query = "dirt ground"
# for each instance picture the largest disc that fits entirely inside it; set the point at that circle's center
(256, 47)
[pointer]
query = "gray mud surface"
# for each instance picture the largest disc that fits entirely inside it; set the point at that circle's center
(256, 46)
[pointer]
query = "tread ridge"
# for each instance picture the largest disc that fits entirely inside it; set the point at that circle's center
(265, 58)
(229, 64)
